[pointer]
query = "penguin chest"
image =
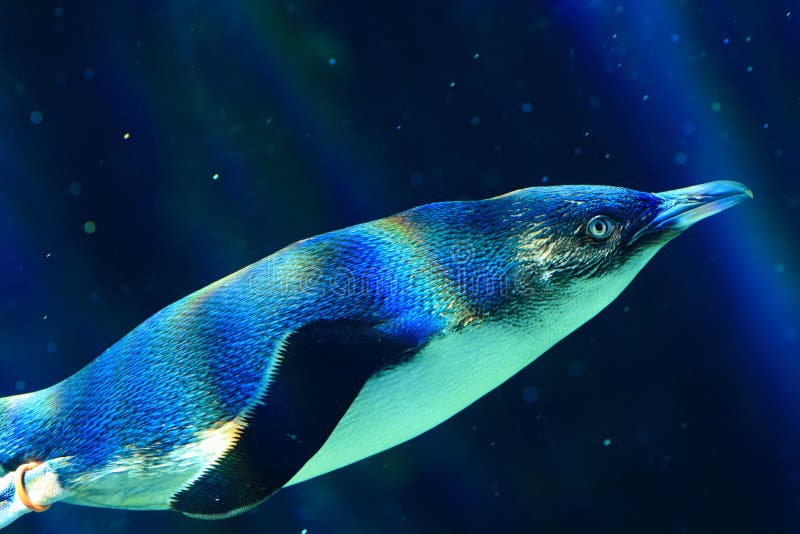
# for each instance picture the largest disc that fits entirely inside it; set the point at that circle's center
(446, 376)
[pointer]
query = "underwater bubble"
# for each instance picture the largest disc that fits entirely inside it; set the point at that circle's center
(36, 117)
(716, 106)
(726, 41)
(526, 107)
(680, 158)
(126, 136)
(545, 179)
(332, 61)
(530, 394)
(778, 268)
(89, 227)
(75, 188)
(215, 176)
(645, 98)
(452, 84)
(606, 442)
(749, 68)
(475, 120)
(476, 56)
(576, 368)
(765, 125)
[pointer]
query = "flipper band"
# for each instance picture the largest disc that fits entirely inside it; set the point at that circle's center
(19, 485)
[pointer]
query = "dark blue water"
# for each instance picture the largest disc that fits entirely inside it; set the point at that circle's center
(149, 148)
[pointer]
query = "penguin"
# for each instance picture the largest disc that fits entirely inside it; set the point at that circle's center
(333, 349)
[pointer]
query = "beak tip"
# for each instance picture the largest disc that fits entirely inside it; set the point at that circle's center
(723, 188)
(686, 206)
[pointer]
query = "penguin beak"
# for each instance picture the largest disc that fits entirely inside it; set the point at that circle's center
(681, 208)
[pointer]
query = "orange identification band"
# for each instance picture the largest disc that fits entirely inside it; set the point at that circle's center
(19, 485)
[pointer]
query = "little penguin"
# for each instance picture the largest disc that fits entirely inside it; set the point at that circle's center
(333, 349)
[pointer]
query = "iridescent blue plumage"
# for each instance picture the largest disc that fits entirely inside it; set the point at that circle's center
(330, 349)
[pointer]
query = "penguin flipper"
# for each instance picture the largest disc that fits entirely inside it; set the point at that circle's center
(323, 367)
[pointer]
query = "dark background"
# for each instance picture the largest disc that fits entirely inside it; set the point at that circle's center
(320, 114)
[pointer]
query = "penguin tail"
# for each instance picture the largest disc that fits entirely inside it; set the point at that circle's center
(18, 422)
(28, 483)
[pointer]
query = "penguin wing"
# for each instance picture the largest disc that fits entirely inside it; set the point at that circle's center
(322, 367)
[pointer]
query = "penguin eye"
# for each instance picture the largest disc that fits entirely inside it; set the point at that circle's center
(600, 227)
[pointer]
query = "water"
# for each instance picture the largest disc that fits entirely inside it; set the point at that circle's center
(148, 149)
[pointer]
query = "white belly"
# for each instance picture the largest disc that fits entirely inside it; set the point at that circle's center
(451, 373)
(444, 378)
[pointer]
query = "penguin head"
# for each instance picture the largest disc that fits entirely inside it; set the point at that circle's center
(594, 239)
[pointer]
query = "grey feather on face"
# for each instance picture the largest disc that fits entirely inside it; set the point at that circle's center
(575, 233)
